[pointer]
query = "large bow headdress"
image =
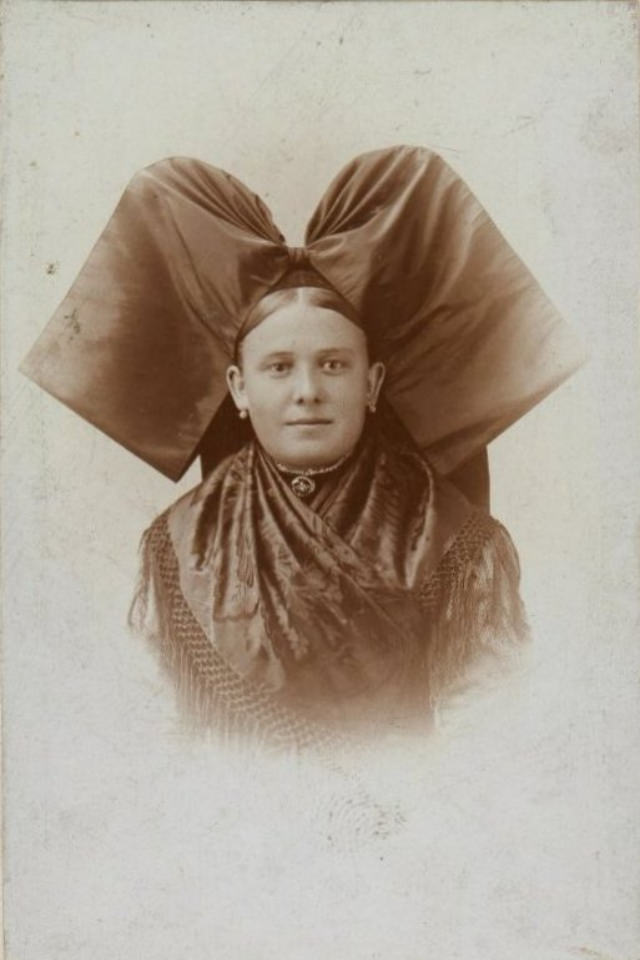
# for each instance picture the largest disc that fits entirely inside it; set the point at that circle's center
(140, 344)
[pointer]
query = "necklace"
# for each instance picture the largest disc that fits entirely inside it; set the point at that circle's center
(301, 481)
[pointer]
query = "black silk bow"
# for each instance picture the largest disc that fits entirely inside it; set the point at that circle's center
(140, 344)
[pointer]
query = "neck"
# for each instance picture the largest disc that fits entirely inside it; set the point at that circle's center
(311, 471)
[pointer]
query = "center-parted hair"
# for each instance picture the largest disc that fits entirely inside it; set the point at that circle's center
(305, 293)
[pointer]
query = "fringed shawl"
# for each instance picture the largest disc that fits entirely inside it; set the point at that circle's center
(293, 621)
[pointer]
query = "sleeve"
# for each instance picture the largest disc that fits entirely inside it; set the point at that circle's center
(475, 609)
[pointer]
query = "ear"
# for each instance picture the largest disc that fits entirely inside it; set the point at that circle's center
(235, 382)
(375, 378)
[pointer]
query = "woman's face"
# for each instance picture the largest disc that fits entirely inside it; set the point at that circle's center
(305, 380)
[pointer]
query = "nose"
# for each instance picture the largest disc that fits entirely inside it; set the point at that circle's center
(306, 386)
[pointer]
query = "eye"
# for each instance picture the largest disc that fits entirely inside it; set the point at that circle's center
(333, 365)
(278, 367)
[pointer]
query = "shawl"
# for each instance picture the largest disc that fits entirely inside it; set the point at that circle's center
(273, 615)
(297, 621)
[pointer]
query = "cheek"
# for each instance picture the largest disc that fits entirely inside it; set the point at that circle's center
(265, 403)
(260, 392)
(350, 399)
(355, 389)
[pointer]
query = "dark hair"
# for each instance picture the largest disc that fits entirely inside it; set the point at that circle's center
(276, 299)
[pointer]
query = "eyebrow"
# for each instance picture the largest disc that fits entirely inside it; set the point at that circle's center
(326, 351)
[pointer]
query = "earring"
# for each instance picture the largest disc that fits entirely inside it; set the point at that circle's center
(372, 406)
(243, 414)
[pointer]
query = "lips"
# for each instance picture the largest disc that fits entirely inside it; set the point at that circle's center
(308, 422)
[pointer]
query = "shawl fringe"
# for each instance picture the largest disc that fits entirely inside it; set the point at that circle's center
(211, 696)
(473, 613)
(478, 617)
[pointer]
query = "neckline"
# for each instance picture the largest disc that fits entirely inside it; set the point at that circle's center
(310, 471)
(306, 481)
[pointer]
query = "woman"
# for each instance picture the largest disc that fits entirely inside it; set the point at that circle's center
(325, 576)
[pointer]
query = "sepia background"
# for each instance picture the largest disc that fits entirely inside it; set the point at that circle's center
(514, 832)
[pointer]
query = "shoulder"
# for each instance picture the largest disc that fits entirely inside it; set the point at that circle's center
(190, 520)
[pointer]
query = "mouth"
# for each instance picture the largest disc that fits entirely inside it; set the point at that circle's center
(308, 422)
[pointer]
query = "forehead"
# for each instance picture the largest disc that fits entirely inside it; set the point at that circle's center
(304, 328)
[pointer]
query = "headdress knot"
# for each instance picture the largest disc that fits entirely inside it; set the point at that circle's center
(469, 339)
